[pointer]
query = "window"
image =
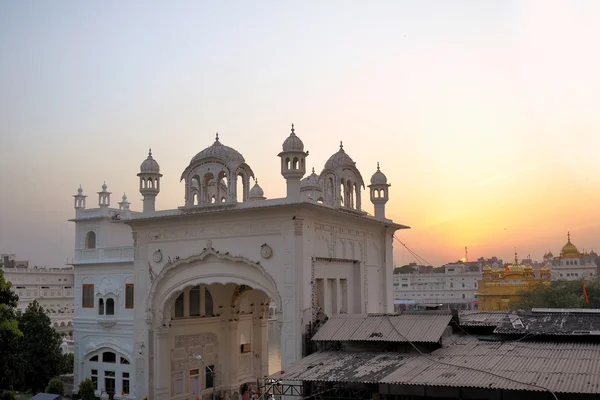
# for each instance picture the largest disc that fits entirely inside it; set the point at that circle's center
(95, 358)
(129, 295)
(195, 301)
(179, 306)
(90, 240)
(210, 379)
(109, 357)
(125, 384)
(178, 386)
(94, 377)
(87, 296)
(101, 307)
(208, 303)
(110, 307)
(124, 360)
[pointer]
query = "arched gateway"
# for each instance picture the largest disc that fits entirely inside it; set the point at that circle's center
(207, 320)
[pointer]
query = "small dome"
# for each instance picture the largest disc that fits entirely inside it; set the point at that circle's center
(104, 187)
(150, 165)
(256, 193)
(124, 198)
(293, 142)
(310, 181)
(569, 250)
(487, 268)
(80, 190)
(218, 150)
(378, 178)
(339, 160)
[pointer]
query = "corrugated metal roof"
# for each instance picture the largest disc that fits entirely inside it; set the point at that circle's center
(560, 367)
(467, 362)
(339, 366)
(521, 323)
(417, 327)
(480, 318)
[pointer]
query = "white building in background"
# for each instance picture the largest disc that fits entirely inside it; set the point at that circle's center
(51, 287)
(171, 304)
(455, 287)
(571, 265)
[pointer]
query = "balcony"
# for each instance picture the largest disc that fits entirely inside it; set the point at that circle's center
(104, 255)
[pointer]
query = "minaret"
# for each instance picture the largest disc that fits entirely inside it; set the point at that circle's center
(124, 205)
(293, 164)
(104, 197)
(79, 201)
(149, 182)
(379, 193)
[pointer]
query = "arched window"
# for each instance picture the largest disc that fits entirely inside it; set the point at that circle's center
(110, 307)
(109, 357)
(90, 240)
(208, 304)
(179, 306)
(194, 300)
(101, 307)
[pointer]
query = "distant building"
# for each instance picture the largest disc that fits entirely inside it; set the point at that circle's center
(51, 287)
(571, 265)
(455, 287)
(10, 261)
(500, 286)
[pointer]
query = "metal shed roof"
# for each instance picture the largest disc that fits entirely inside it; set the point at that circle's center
(409, 327)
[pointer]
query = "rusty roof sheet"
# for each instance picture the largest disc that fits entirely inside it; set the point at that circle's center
(340, 366)
(560, 367)
(480, 318)
(413, 327)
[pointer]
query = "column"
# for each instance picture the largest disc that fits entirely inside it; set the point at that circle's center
(162, 365)
(233, 347)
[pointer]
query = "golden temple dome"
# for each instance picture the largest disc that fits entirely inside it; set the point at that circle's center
(569, 250)
(487, 268)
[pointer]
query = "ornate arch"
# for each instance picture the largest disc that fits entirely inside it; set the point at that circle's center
(184, 273)
(93, 348)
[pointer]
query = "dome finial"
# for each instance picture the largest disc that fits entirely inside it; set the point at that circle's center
(150, 152)
(377, 165)
(217, 137)
(313, 170)
(341, 146)
(568, 236)
(293, 131)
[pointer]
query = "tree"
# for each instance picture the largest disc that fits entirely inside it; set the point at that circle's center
(86, 390)
(68, 362)
(9, 336)
(55, 386)
(40, 348)
(8, 395)
(559, 294)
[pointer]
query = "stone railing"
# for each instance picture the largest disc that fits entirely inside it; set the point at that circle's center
(105, 254)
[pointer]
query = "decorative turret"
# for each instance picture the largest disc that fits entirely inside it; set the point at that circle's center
(104, 197)
(256, 193)
(124, 205)
(379, 193)
(79, 199)
(311, 188)
(293, 164)
(149, 182)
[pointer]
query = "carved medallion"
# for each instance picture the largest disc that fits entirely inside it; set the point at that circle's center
(266, 251)
(157, 256)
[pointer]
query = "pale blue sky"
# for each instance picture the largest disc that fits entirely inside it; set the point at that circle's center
(464, 103)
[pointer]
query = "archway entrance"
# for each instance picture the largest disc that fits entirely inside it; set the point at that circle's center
(211, 334)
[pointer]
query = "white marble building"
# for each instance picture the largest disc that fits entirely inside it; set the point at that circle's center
(52, 288)
(157, 289)
(456, 287)
(571, 265)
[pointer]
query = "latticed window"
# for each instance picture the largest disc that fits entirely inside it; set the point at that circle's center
(87, 296)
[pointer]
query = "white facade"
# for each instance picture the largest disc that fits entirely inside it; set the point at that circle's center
(157, 289)
(571, 265)
(455, 286)
(51, 287)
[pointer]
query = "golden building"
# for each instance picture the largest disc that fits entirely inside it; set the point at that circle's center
(499, 286)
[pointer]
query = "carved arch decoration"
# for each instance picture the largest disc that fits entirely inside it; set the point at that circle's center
(93, 348)
(171, 281)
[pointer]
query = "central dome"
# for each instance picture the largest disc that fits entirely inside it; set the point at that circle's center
(339, 160)
(219, 150)
(569, 250)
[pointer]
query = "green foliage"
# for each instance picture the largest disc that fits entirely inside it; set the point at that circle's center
(405, 269)
(10, 336)
(55, 386)
(86, 390)
(8, 395)
(559, 294)
(39, 349)
(67, 363)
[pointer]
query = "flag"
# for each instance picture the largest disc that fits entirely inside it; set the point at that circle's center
(585, 296)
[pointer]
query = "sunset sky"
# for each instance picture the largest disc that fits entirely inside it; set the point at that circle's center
(484, 115)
